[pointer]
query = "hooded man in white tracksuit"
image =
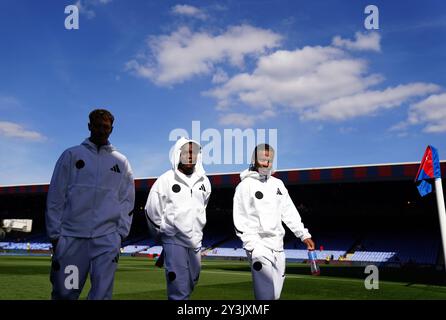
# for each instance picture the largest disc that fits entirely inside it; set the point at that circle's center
(261, 203)
(89, 205)
(176, 213)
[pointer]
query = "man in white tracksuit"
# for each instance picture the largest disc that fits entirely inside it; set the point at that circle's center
(261, 203)
(89, 205)
(176, 213)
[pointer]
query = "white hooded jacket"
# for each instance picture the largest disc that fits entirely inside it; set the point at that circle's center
(176, 205)
(260, 206)
(91, 194)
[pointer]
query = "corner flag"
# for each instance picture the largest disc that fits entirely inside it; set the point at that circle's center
(429, 170)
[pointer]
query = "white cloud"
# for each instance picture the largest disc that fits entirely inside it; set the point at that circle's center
(220, 76)
(318, 83)
(365, 103)
(84, 9)
(85, 6)
(184, 54)
(430, 112)
(189, 11)
(14, 130)
(363, 41)
(296, 79)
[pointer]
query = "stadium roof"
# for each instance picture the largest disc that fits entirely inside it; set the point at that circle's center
(360, 173)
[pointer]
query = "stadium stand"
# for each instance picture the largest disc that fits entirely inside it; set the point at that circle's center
(225, 253)
(354, 214)
(152, 250)
(398, 247)
(26, 246)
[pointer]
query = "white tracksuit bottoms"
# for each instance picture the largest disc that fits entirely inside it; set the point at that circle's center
(268, 274)
(182, 267)
(76, 257)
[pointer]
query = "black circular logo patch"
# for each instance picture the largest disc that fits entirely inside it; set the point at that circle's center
(80, 164)
(171, 276)
(259, 195)
(257, 266)
(176, 188)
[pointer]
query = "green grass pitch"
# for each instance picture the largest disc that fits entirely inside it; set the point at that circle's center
(27, 277)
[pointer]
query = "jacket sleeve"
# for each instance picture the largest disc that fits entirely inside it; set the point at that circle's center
(153, 210)
(127, 202)
(243, 226)
(57, 196)
(208, 195)
(291, 217)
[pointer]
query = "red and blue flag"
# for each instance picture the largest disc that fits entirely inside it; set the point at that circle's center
(428, 171)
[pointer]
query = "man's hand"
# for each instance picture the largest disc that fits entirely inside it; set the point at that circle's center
(310, 244)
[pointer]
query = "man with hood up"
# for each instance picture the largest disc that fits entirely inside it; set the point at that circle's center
(88, 214)
(176, 213)
(261, 203)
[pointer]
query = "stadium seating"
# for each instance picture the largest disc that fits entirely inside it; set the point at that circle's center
(152, 250)
(232, 243)
(372, 256)
(134, 249)
(398, 247)
(225, 252)
(24, 246)
(376, 247)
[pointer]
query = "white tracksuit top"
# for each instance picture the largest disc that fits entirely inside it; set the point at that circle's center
(260, 206)
(176, 205)
(91, 193)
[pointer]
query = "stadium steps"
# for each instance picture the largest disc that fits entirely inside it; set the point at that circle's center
(355, 246)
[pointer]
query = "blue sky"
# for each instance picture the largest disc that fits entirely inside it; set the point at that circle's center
(337, 93)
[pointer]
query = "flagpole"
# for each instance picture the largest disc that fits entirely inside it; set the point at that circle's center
(441, 214)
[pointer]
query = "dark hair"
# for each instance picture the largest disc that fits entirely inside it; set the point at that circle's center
(101, 113)
(259, 148)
